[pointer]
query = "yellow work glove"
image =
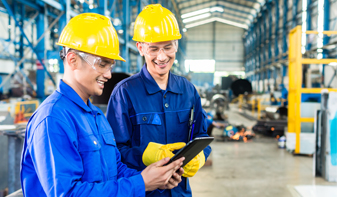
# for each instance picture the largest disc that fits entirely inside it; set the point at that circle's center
(194, 165)
(155, 152)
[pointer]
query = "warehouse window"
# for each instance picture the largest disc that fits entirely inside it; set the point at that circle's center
(200, 66)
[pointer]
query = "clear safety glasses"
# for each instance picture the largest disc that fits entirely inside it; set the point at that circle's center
(97, 63)
(153, 50)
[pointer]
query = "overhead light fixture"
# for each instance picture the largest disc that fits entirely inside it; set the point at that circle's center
(195, 13)
(117, 22)
(217, 9)
(228, 22)
(202, 11)
(184, 29)
(221, 20)
(199, 23)
(329, 47)
(197, 17)
(333, 64)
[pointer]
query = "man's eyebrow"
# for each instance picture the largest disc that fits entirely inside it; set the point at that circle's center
(159, 47)
(107, 61)
(168, 45)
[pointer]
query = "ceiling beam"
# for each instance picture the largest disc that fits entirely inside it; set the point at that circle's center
(240, 5)
(254, 1)
(224, 20)
(216, 3)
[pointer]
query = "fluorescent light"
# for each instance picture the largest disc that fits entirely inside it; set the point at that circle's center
(217, 9)
(184, 29)
(333, 64)
(197, 17)
(228, 22)
(195, 13)
(199, 23)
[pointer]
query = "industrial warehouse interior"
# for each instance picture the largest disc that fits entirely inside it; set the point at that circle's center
(142, 77)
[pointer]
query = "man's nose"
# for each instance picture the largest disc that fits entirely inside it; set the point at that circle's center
(161, 55)
(107, 74)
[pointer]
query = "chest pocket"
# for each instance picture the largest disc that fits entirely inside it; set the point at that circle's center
(182, 133)
(109, 154)
(149, 118)
(147, 127)
(89, 149)
(183, 116)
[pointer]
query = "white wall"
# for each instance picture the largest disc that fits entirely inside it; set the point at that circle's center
(225, 45)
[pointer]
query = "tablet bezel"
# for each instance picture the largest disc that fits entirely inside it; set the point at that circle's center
(192, 149)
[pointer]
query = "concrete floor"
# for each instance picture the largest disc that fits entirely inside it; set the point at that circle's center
(257, 168)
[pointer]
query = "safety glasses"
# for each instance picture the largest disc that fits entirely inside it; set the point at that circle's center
(153, 50)
(97, 63)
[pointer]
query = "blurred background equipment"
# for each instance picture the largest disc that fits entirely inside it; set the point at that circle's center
(241, 86)
(102, 101)
(255, 63)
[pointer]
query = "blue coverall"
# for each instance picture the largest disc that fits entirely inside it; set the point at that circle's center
(140, 112)
(284, 93)
(70, 150)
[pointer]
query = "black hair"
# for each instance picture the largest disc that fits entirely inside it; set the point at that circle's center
(63, 53)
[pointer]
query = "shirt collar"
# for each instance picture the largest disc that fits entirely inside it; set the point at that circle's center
(152, 86)
(70, 93)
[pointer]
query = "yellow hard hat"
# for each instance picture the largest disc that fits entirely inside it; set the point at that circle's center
(156, 24)
(91, 33)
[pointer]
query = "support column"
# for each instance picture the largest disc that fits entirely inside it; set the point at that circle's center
(285, 45)
(326, 27)
(40, 48)
(62, 23)
(277, 18)
(126, 35)
(309, 11)
(294, 12)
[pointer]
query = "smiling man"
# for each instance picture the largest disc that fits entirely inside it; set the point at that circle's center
(69, 147)
(149, 111)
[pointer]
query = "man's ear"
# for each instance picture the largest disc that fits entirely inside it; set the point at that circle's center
(140, 48)
(72, 60)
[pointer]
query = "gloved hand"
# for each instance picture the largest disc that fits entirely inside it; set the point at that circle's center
(194, 165)
(155, 152)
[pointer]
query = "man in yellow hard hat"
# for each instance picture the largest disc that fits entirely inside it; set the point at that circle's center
(150, 111)
(69, 147)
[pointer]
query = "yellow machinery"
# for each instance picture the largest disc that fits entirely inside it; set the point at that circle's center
(24, 110)
(256, 102)
(295, 81)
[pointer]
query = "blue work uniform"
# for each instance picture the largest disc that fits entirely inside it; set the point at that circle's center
(140, 112)
(70, 150)
(284, 93)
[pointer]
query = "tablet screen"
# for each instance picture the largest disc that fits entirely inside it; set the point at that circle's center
(192, 149)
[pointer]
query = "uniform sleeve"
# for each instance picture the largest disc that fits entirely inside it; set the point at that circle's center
(58, 165)
(119, 118)
(123, 170)
(200, 127)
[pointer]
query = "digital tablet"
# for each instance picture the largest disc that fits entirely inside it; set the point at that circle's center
(192, 149)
